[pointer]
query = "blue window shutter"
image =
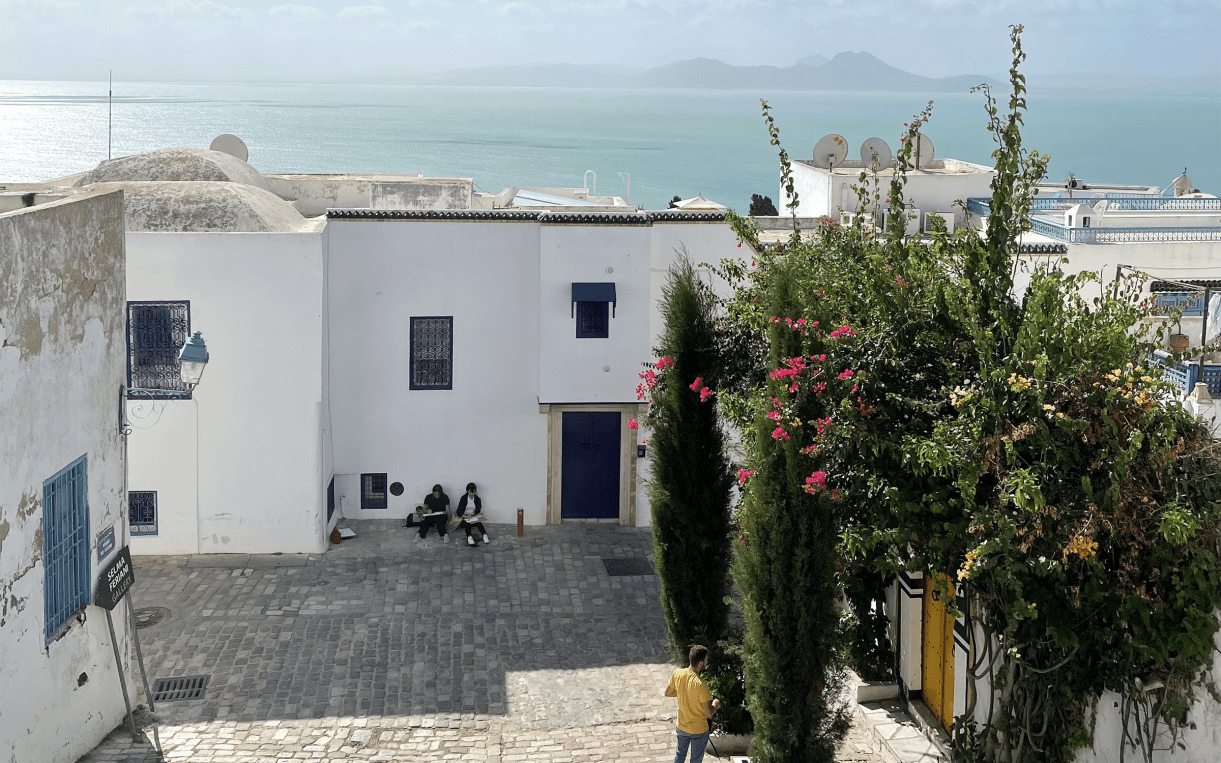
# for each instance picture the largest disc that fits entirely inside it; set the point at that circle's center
(65, 547)
(594, 292)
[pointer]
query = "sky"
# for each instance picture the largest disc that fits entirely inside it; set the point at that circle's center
(250, 40)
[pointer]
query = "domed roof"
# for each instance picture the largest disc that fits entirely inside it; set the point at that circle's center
(204, 207)
(175, 164)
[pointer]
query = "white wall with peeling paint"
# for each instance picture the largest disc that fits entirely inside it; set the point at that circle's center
(61, 372)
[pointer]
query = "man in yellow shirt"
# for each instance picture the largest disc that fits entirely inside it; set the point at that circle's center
(695, 706)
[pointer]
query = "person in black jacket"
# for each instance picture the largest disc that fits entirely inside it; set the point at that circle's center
(436, 503)
(471, 502)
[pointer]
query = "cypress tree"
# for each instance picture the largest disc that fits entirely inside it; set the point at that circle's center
(690, 488)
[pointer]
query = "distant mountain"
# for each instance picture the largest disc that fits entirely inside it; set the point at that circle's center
(847, 71)
(814, 60)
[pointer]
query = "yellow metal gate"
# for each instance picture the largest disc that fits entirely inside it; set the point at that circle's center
(937, 656)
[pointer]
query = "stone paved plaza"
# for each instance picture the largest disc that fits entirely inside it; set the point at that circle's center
(380, 649)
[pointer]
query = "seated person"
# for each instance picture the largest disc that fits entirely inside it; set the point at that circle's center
(436, 503)
(474, 520)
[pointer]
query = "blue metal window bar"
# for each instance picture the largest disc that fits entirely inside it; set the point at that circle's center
(156, 332)
(432, 358)
(65, 547)
(142, 512)
(373, 491)
(593, 320)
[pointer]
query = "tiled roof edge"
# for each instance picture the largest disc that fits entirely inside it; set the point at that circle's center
(515, 215)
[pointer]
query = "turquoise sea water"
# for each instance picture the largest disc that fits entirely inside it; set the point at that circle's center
(670, 141)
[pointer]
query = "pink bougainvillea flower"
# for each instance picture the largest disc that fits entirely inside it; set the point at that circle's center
(632, 424)
(698, 383)
(842, 331)
(779, 434)
(645, 441)
(705, 393)
(743, 475)
(664, 363)
(845, 375)
(773, 415)
(815, 482)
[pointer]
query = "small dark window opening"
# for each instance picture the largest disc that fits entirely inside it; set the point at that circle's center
(1085, 222)
(432, 353)
(593, 320)
(142, 512)
(330, 500)
(156, 332)
(373, 491)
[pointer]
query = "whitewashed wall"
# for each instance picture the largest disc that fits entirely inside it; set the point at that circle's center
(488, 428)
(238, 468)
(932, 191)
(575, 370)
(61, 372)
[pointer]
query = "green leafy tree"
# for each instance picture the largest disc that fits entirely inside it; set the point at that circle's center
(762, 206)
(691, 484)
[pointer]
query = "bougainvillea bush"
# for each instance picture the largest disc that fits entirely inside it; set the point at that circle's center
(912, 412)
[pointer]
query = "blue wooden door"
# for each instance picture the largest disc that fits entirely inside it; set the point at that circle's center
(589, 482)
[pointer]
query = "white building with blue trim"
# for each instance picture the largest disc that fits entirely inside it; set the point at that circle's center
(373, 335)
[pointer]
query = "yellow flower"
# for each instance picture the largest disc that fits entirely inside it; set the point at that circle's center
(1049, 407)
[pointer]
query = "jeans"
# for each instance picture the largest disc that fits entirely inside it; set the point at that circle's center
(437, 522)
(697, 743)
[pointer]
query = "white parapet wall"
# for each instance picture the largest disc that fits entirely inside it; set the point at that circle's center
(61, 375)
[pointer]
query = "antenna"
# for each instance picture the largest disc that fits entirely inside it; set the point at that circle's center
(110, 117)
(830, 150)
(230, 144)
(876, 147)
(924, 150)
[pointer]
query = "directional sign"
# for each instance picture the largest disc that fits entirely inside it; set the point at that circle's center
(115, 581)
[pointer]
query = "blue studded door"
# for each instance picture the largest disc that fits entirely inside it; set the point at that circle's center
(589, 480)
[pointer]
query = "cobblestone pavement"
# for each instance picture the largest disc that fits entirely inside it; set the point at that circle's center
(380, 649)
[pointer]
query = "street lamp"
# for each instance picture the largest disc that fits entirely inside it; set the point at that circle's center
(193, 358)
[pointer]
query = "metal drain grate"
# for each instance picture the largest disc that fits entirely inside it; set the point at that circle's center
(619, 567)
(146, 617)
(175, 689)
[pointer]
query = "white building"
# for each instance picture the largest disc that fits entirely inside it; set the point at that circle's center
(826, 186)
(63, 514)
(418, 333)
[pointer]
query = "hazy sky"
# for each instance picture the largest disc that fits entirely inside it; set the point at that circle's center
(250, 39)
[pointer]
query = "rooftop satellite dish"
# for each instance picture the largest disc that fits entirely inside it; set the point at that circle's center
(922, 152)
(230, 144)
(830, 151)
(876, 147)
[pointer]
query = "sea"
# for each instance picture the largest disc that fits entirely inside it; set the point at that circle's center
(649, 145)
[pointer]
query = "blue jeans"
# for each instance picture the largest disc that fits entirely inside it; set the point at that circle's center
(697, 743)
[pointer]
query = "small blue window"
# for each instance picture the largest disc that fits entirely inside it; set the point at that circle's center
(373, 491)
(593, 320)
(330, 500)
(65, 547)
(432, 353)
(142, 512)
(156, 332)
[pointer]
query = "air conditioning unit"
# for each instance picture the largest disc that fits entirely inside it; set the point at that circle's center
(911, 225)
(948, 217)
(846, 219)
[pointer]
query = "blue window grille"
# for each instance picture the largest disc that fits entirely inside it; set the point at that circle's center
(142, 512)
(65, 547)
(156, 332)
(432, 353)
(593, 320)
(373, 491)
(330, 500)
